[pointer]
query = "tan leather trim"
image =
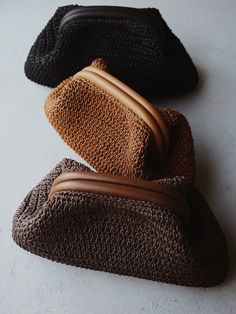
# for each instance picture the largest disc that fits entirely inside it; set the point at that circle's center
(141, 100)
(120, 180)
(124, 187)
(132, 104)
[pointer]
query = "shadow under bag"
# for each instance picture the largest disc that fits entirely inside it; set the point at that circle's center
(140, 214)
(136, 44)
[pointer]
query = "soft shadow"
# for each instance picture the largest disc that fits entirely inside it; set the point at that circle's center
(205, 170)
(165, 99)
(206, 179)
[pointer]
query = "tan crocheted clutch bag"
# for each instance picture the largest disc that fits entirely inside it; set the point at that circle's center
(116, 130)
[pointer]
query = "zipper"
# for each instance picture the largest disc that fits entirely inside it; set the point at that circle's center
(114, 12)
(133, 101)
(124, 187)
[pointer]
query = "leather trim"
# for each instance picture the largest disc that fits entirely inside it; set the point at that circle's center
(124, 187)
(114, 12)
(134, 102)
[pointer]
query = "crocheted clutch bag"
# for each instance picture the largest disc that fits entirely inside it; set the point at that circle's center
(116, 130)
(162, 230)
(137, 45)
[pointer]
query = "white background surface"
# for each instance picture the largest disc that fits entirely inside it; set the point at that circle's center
(30, 148)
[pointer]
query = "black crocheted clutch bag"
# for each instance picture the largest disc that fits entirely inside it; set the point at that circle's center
(137, 45)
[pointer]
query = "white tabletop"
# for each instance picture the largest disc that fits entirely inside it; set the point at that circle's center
(30, 148)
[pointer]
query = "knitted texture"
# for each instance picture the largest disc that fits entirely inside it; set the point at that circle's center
(123, 236)
(148, 57)
(111, 137)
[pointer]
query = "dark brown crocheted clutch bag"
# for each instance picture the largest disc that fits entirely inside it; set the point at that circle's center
(161, 230)
(137, 45)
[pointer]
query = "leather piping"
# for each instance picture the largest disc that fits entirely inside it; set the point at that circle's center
(123, 180)
(124, 187)
(115, 12)
(131, 103)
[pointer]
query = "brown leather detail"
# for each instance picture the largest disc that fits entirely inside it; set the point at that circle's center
(146, 112)
(123, 187)
(120, 180)
(141, 100)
